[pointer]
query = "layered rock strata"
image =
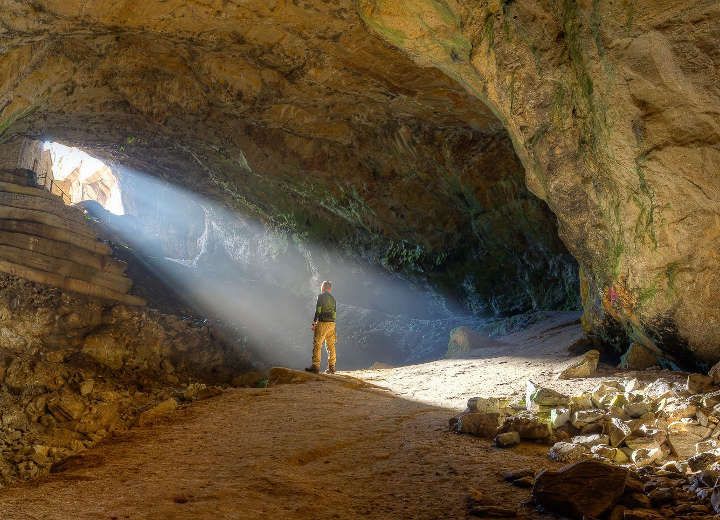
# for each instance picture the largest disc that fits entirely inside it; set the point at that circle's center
(43, 240)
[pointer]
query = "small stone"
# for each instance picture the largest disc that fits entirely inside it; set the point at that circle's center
(583, 367)
(638, 357)
(674, 466)
(507, 439)
(567, 492)
(683, 436)
(567, 452)
(581, 402)
(637, 409)
(611, 454)
(484, 405)
(646, 457)
(702, 461)
(86, 387)
(618, 431)
(559, 417)
(540, 396)
(661, 496)
(590, 440)
(528, 426)
(582, 418)
(480, 424)
(708, 445)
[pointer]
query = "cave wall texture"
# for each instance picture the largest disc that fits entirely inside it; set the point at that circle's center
(408, 130)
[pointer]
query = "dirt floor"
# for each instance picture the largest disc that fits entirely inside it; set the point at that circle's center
(328, 448)
(309, 451)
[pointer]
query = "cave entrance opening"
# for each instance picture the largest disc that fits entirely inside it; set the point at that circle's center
(78, 177)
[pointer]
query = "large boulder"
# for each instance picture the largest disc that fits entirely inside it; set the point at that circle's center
(587, 489)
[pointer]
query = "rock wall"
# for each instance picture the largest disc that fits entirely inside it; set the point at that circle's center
(403, 149)
(74, 370)
(612, 108)
(293, 113)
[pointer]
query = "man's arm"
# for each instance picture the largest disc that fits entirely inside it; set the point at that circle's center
(318, 310)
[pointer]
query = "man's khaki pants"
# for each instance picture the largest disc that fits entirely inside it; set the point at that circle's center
(324, 332)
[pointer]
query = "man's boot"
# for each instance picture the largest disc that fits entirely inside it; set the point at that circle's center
(330, 370)
(314, 369)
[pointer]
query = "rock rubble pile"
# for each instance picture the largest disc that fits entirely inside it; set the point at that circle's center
(665, 432)
(73, 370)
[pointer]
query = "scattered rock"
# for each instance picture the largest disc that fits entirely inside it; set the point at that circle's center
(568, 452)
(702, 461)
(638, 357)
(480, 424)
(528, 426)
(609, 453)
(617, 431)
(584, 367)
(683, 436)
(584, 489)
(507, 439)
(484, 405)
(590, 440)
(536, 396)
(559, 417)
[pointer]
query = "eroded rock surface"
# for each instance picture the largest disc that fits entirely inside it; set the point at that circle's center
(296, 113)
(74, 369)
(610, 107)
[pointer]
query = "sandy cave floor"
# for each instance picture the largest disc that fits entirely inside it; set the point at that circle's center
(331, 448)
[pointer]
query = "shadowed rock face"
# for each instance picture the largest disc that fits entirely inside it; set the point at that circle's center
(297, 114)
(300, 114)
(613, 109)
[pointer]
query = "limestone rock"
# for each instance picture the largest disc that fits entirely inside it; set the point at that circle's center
(480, 424)
(528, 426)
(584, 367)
(163, 408)
(106, 350)
(703, 460)
(638, 357)
(464, 339)
(559, 417)
(484, 405)
(584, 489)
(536, 396)
(590, 440)
(609, 453)
(507, 439)
(618, 431)
(66, 407)
(582, 418)
(567, 452)
(684, 436)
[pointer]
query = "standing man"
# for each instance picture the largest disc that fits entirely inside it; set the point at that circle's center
(324, 328)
